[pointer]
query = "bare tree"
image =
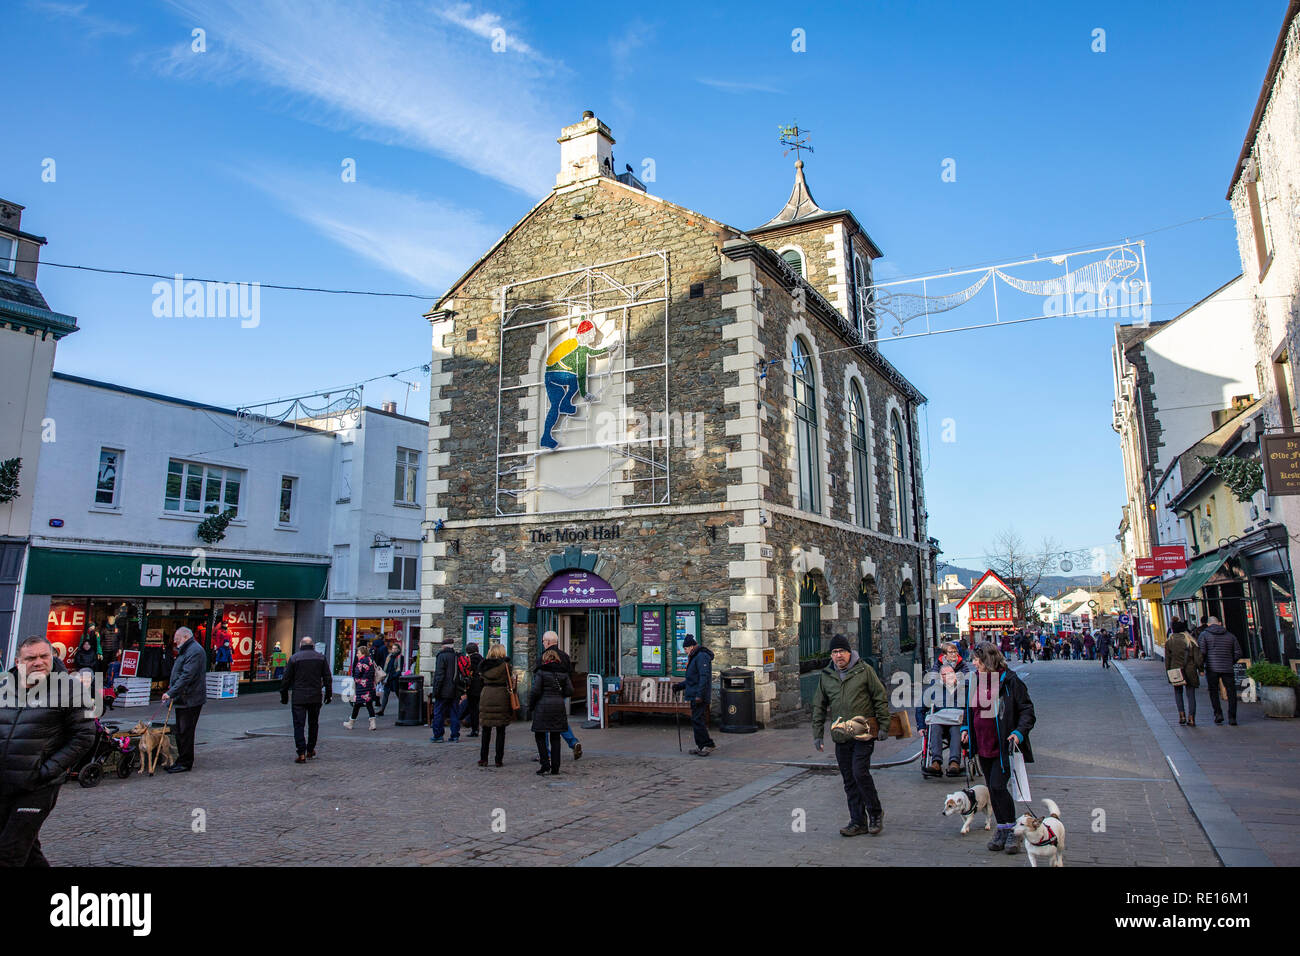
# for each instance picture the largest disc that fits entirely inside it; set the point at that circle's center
(1023, 570)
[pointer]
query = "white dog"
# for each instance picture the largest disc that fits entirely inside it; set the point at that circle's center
(967, 802)
(1044, 837)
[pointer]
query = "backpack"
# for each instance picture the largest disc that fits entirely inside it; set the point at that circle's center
(464, 671)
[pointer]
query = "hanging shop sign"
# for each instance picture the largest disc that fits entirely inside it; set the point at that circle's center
(1280, 455)
(65, 571)
(384, 559)
(1169, 557)
(577, 589)
(1145, 566)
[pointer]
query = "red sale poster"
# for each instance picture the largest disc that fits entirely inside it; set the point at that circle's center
(240, 621)
(63, 629)
(130, 663)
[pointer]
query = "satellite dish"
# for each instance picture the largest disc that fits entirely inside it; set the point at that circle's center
(1067, 565)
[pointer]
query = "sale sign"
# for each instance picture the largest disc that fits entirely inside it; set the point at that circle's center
(1169, 557)
(64, 628)
(240, 621)
(130, 663)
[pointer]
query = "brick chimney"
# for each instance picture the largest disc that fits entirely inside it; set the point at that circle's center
(586, 151)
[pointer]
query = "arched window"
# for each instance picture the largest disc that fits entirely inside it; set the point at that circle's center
(862, 281)
(805, 427)
(896, 452)
(858, 450)
(794, 259)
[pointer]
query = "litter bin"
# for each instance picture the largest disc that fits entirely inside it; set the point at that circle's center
(737, 699)
(410, 700)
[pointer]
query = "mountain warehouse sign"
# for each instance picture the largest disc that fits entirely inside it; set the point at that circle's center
(108, 574)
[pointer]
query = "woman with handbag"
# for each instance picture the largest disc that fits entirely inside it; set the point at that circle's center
(1182, 661)
(546, 701)
(999, 715)
(497, 702)
(363, 682)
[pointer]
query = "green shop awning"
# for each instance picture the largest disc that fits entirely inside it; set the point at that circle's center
(57, 571)
(1197, 573)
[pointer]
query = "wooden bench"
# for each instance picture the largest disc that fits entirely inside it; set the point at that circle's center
(647, 695)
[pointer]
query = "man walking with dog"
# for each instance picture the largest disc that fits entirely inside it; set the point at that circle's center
(39, 743)
(849, 687)
(188, 692)
(307, 677)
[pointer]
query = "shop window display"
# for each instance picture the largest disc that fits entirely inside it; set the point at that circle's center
(273, 641)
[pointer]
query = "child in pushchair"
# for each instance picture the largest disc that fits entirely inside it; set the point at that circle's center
(111, 750)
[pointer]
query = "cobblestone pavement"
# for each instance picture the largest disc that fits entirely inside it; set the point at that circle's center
(1091, 745)
(1092, 751)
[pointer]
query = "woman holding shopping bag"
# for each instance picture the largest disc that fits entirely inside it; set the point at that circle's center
(1182, 661)
(999, 715)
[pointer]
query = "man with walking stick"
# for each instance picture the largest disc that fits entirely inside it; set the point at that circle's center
(188, 692)
(697, 689)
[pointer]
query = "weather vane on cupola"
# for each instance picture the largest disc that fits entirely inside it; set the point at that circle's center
(795, 138)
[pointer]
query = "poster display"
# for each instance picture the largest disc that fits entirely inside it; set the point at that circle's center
(64, 627)
(476, 628)
(652, 641)
(240, 621)
(686, 623)
(498, 631)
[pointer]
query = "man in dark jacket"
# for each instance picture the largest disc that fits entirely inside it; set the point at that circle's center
(698, 689)
(1219, 645)
(39, 743)
(1103, 648)
(849, 687)
(308, 677)
(446, 692)
(188, 691)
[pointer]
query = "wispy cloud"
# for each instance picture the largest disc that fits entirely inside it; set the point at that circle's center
(79, 13)
(392, 73)
(427, 241)
(489, 26)
(737, 86)
(638, 34)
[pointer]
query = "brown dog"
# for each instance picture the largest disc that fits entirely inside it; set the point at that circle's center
(154, 746)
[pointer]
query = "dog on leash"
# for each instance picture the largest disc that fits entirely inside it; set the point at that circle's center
(154, 746)
(967, 802)
(1044, 837)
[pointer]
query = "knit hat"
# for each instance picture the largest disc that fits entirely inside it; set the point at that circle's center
(448, 640)
(689, 642)
(840, 643)
(471, 648)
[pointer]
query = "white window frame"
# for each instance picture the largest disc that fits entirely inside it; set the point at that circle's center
(293, 501)
(116, 504)
(205, 468)
(860, 294)
(412, 461)
(803, 259)
(345, 474)
(9, 263)
(415, 565)
(898, 458)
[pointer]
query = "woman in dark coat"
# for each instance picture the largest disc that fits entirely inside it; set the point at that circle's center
(494, 701)
(1182, 653)
(993, 725)
(551, 687)
(364, 673)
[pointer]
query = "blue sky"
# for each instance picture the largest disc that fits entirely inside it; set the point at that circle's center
(226, 164)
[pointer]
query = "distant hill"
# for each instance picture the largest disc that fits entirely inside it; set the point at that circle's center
(1050, 584)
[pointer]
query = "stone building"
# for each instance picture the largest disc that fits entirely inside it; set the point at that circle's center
(1265, 195)
(645, 423)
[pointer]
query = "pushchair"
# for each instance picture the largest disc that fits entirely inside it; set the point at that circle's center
(946, 717)
(111, 751)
